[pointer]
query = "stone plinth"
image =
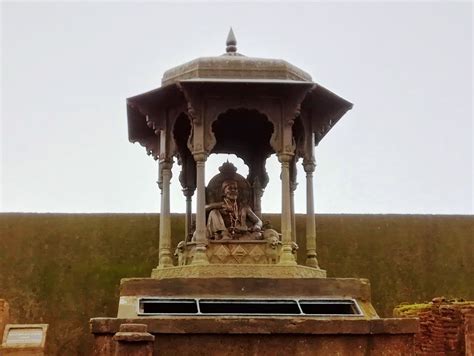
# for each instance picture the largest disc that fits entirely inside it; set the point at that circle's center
(361, 334)
(132, 289)
(265, 336)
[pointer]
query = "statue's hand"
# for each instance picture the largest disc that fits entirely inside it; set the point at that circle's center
(255, 228)
(224, 209)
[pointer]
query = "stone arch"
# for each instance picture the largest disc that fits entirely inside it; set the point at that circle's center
(181, 132)
(242, 132)
(247, 134)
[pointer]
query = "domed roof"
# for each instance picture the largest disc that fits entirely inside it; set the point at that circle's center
(236, 75)
(233, 65)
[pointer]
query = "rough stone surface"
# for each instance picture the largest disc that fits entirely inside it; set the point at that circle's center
(133, 328)
(283, 345)
(24, 351)
(270, 336)
(260, 325)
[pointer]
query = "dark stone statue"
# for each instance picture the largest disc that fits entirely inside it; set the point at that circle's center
(230, 218)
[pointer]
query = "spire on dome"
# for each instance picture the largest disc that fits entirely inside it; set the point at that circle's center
(231, 43)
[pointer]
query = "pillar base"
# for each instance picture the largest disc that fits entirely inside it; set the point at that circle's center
(312, 261)
(287, 258)
(200, 257)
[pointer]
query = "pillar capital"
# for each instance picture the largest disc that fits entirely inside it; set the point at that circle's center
(309, 165)
(166, 163)
(188, 192)
(200, 156)
(285, 157)
(309, 168)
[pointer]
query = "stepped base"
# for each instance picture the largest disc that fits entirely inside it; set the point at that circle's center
(227, 332)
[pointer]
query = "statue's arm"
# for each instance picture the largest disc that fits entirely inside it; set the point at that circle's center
(213, 206)
(257, 223)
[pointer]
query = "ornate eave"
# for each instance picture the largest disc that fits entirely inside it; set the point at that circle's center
(144, 111)
(325, 109)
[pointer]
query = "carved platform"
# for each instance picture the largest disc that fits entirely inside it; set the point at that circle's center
(238, 270)
(234, 252)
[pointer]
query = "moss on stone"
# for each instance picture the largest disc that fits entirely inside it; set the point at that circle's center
(410, 310)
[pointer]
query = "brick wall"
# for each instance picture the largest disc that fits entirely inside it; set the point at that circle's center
(469, 330)
(446, 327)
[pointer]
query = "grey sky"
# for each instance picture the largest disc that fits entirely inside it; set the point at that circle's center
(67, 68)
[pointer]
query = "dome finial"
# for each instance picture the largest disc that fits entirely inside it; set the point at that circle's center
(231, 43)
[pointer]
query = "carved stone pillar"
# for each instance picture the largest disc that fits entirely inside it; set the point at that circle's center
(258, 179)
(187, 178)
(257, 197)
(188, 193)
(293, 186)
(200, 257)
(287, 257)
(165, 259)
(311, 256)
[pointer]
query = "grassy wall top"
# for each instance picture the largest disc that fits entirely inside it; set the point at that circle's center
(63, 269)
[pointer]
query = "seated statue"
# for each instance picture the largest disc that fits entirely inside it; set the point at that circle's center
(231, 219)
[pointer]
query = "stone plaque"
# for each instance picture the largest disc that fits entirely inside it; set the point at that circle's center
(33, 335)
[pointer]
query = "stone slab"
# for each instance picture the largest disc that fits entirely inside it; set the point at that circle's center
(24, 340)
(132, 289)
(259, 325)
(25, 335)
(357, 288)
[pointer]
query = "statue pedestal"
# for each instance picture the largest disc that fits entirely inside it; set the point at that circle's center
(249, 315)
(237, 271)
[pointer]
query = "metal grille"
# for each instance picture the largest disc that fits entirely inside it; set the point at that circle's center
(257, 307)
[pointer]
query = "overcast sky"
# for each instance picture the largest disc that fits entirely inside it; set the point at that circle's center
(67, 69)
